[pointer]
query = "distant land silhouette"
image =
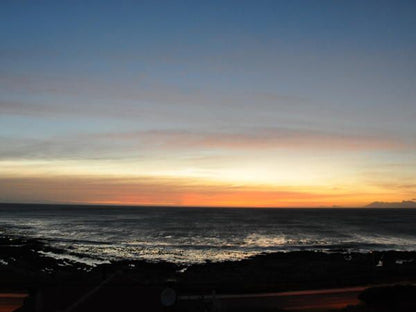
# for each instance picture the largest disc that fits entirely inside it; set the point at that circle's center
(403, 204)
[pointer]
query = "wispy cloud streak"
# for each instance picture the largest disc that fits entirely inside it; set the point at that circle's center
(110, 145)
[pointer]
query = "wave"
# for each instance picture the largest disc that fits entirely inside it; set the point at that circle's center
(197, 235)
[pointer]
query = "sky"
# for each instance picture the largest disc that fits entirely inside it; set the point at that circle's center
(208, 103)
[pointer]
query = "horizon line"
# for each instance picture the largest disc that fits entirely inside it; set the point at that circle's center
(193, 206)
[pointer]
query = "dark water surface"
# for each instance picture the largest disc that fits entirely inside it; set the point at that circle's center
(190, 235)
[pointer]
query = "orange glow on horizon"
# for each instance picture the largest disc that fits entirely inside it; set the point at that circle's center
(179, 194)
(41, 184)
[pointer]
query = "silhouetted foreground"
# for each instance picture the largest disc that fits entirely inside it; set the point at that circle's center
(64, 285)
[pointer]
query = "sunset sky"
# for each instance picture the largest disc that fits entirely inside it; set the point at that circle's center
(208, 103)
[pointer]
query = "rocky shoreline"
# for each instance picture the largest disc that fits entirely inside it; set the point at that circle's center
(32, 266)
(27, 263)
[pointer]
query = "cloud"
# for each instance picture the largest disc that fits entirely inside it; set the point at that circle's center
(143, 99)
(146, 102)
(136, 96)
(395, 183)
(119, 145)
(273, 138)
(152, 191)
(32, 109)
(64, 147)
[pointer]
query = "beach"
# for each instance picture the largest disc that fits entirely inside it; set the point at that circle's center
(79, 258)
(11, 301)
(29, 271)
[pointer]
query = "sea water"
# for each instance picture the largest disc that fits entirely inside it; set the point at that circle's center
(193, 235)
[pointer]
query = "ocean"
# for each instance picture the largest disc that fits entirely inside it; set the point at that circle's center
(96, 234)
